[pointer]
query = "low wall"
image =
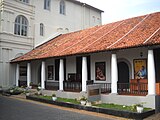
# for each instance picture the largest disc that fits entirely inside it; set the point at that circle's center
(72, 95)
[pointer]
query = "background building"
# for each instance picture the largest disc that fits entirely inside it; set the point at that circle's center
(25, 24)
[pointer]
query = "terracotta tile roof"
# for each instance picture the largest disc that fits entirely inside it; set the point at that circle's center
(133, 32)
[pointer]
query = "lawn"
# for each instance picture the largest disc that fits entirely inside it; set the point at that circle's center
(103, 105)
(59, 99)
(119, 107)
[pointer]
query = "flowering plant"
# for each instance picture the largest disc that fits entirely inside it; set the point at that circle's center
(38, 88)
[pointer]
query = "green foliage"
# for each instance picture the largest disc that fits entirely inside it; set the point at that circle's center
(53, 95)
(59, 99)
(83, 98)
(38, 88)
(120, 107)
(15, 90)
(74, 101)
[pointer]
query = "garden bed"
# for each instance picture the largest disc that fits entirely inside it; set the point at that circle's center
(120, 113)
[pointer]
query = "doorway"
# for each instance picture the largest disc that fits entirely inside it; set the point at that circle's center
(123, 72)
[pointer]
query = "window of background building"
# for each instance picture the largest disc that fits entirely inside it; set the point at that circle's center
(47, 4)
(25, 1)
(21, 26)
(62, 7)
(41, 29)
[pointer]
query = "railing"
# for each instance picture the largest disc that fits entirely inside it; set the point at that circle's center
(132, 88)
(89, 82)
(51, 85)
(105, 87)
(72, 86)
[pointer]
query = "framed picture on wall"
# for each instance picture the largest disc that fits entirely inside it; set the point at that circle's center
(140, 68)
(100, 71)
(50, 72)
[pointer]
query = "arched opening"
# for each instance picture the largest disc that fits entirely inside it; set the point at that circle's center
(123, 72)
(123, 77)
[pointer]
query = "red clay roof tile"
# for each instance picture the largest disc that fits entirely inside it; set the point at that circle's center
(138, 31)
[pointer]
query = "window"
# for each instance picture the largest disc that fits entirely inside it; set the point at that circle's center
(21, 26)
(25, 1)
(47, 4)
(41, 29)
(62, 7)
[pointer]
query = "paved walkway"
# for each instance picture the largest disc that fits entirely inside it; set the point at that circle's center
(89, 115)
(153, 117)
(23, 98)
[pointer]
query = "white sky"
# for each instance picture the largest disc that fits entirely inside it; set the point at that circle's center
(115, 10)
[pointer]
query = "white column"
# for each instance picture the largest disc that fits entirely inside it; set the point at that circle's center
(61, 75)
(151, 73)
(114, 74)
(43, 75)
(84, 73)
(17, 75)
(28, 74)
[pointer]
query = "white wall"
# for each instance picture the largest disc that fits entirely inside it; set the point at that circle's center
(130, 55)
(70, 65)
(76, 18)
(127, 55)
(100, 57)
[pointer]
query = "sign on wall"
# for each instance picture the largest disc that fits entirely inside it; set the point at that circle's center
(140, 68)
(100, 71)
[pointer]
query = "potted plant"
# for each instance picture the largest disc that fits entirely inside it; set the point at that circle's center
(27, 93)
(30, 85)
(139, 108)
(83, 100)
(88, 103)
(54, 98)
(39, 90)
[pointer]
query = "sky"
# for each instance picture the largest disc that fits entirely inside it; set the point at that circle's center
(115, 10)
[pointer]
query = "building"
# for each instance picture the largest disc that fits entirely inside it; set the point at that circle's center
(122, 56)
(26, 24)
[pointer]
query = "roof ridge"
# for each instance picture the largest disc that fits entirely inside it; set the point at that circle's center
(81, 40)
(151, 36)
(129, 31)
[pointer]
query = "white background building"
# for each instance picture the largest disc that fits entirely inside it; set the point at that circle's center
(25, 24)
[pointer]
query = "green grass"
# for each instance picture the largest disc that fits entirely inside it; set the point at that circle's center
(119, 107)
(44, 97)
(59, 99)
(103, 105)
(68, 100)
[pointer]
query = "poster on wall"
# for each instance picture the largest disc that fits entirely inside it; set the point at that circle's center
(100, 71)
(140, 68)
(50, 72)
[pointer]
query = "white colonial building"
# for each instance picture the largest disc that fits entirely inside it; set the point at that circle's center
(121, 57)
(25, 24)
